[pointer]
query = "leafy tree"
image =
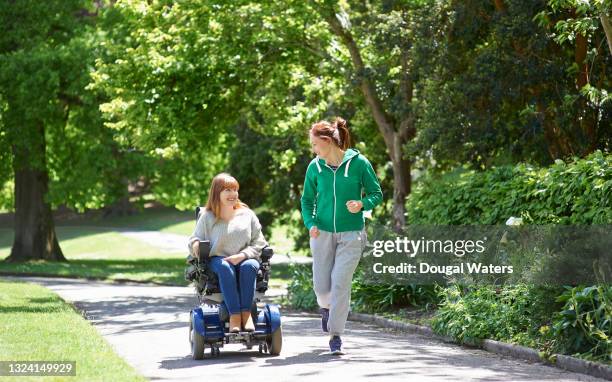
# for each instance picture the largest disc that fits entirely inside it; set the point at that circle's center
(192, 71)
(390, 46)
(584, 19)
(505, 89)
(60, 153)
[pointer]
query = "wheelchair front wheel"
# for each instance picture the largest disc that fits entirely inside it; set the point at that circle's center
(197, 342)
(275, 342)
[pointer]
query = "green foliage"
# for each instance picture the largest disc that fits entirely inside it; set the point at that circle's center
(510, 313)
(505, 84)
(365, 297)
(578, 192)
(300, 290)
(171, 94)
(378, 298)
(584, 325)
(47, 51)
(39, 46)
(201, 73)
(583, 21)
(575, 321)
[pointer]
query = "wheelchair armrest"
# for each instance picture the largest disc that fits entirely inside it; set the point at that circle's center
(266, 254)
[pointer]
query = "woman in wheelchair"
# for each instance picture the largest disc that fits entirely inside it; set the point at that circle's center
(236, 244)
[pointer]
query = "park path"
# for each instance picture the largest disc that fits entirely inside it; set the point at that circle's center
(172, 242)
(148, 326)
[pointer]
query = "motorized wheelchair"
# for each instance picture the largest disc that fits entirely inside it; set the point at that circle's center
(209, 321)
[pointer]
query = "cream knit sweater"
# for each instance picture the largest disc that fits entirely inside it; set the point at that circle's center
(241, 235)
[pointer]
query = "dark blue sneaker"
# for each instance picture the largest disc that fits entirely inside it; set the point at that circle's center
(324, 317)
(335, 345)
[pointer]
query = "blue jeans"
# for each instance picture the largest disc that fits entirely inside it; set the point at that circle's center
(237, 282)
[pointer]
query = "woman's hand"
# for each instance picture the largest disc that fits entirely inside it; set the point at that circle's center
(314, 232)
(235, 259)
(195, 249)
(354, 206)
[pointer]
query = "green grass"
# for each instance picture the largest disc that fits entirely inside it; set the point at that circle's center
(96, 249)
(37, 325)
(98, 253)
(163, 219)
(102, 254)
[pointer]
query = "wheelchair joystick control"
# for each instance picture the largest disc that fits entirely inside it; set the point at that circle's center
(204, 249)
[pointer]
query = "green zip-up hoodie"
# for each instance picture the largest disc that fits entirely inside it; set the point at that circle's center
(326, 192)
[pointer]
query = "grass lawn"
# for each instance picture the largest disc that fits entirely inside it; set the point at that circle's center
(102, 254)
(96, 249)
(37, 325)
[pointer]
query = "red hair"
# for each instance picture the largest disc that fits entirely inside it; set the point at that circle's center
(337, 132)
(219, 183)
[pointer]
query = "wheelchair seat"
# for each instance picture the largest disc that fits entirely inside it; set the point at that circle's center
(206, 282)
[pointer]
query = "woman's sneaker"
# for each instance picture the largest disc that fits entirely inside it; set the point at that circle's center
(335, 345)
(324, 318)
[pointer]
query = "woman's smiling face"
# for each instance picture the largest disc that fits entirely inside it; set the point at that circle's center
(229, 196)
(320, 146)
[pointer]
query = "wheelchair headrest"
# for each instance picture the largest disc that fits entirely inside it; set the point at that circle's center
(198, 210)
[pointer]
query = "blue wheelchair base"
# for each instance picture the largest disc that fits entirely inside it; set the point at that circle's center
(207, 330)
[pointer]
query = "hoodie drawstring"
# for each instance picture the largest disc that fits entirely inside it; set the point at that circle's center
(347, 167)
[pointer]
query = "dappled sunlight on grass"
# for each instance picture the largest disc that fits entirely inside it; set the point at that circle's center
(95, 243)
(102, 254)
(158, 270)
(98, 250)
(184, 228)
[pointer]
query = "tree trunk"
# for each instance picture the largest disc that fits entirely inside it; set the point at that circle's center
(559, 146)
(605, 21)
(580, 54)
(121, 207)
(35, 237)
(401, 184)
(394, 136)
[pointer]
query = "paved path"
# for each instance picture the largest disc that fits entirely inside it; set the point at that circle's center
(148, 326)
(171, 242)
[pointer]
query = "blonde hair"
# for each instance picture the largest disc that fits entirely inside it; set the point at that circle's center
(219, 183)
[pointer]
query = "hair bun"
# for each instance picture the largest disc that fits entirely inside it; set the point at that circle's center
(340, 123)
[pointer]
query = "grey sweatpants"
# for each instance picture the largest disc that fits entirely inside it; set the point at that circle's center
(334, 259)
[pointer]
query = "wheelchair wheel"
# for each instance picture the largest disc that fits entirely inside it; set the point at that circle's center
(197, 342)
(275, 342)
(214, 351)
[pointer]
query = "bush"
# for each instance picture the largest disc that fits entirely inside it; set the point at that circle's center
(579, 192)
(377, 298)
(300, 291)
(565, 193)
(584, 325)
(511, 313)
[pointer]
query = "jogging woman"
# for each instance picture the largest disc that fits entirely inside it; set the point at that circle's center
(340, 184)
